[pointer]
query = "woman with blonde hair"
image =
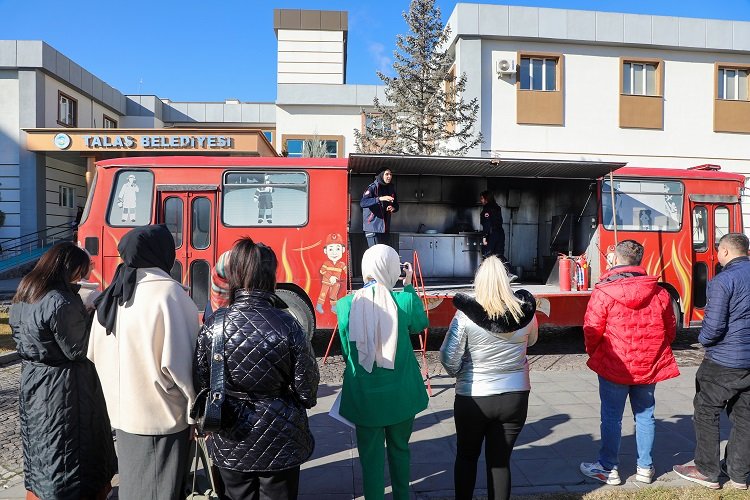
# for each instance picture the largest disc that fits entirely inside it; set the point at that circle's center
(485, 349)
(383, 388)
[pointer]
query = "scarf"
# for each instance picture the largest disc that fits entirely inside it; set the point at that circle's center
(373, 319)
(221, 295)
(141, 247)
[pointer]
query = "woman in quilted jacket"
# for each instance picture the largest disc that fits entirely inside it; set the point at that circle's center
(271, 379)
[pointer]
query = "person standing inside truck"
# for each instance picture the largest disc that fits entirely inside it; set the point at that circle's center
(493, 234)
(378, 203)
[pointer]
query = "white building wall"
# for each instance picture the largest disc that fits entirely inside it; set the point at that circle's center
(320, 120)
(591, 117)
(310, 56)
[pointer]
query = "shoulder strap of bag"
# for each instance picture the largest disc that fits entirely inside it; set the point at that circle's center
(216, 382)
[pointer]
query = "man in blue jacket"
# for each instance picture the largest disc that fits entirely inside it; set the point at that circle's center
(723, 379)
(378, 203)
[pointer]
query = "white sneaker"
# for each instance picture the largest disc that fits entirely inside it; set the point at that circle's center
(644, 474)
(597, 471)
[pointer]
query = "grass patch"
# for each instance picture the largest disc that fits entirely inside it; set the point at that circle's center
(6, 341)
(650, 493)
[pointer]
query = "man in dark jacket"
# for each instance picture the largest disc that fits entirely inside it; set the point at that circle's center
(493, 234)
(723, 379)
(378, 203)
(628, 328)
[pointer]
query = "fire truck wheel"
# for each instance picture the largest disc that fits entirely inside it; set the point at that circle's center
(677, 314)
(299, 309)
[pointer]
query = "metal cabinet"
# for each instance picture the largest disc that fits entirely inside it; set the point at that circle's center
(463, 191)
(442, 256)
(418, 188)
(466, 255)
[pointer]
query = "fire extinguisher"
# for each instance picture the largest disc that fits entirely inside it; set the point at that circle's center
(582, 272)
(565, 268)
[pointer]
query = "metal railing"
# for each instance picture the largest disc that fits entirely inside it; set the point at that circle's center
(16, 251)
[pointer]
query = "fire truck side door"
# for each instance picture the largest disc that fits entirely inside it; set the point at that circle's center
(710, 221)
(189, 215)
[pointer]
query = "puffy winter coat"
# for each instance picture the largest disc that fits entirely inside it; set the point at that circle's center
(726, 325)
(487, 356)
(271, 377)
(67, 441)
(375, 216)
(628, 328)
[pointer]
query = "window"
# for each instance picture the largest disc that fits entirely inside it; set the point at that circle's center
(176, 271)
(733, 84)
(108, 122)
(131, 199)
(200, 230)
(639, 78)
(643, 205)
(200, 282)
(67, 197)
(265, 198)
(721, 223)
(699, 228)
(312, 148)
(67, 110)
(538, 73)
(269, 135)
(173, 219)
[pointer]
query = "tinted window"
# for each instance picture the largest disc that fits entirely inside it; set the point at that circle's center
(200, 276)
(176, 271)
(700, 279)
(643, 205)
(130, 203)
(173, 219)
(200, 230)
(260, 198)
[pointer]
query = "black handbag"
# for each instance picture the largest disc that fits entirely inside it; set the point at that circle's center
(206, 410)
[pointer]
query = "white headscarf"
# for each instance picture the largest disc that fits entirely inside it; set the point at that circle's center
(373, 319)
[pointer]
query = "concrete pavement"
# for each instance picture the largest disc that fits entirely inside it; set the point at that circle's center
(561, 431)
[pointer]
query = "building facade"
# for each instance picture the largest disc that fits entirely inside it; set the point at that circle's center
(559, 84)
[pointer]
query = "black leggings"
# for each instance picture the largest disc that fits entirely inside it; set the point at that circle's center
(497, 421)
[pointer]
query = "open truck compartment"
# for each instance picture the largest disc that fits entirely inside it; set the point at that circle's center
(548, 208)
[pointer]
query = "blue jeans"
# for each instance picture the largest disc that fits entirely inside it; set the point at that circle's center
(642, 402)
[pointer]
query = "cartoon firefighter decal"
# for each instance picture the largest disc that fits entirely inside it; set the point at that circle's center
(333, 271)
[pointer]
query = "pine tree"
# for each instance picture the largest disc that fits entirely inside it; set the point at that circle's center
(425, 113)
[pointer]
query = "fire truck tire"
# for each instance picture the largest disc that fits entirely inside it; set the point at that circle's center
(299, 309)
(677, 314)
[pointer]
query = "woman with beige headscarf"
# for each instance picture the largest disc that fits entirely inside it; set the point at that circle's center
(383, 387)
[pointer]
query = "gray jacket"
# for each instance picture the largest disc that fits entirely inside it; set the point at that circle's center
(489, 356)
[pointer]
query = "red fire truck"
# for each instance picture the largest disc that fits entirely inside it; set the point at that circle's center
(558, 216)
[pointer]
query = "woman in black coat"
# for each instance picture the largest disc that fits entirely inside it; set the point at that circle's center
(271, 379)
(68, 451)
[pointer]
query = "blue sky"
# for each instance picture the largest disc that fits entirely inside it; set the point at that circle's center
(210, 51)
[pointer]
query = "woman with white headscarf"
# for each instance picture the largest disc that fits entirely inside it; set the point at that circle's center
(383, 387)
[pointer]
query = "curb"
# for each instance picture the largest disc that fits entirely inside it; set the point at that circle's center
(8, 357)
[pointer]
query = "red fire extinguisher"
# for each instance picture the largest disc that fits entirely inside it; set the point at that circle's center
(582, 272)
(565, 281)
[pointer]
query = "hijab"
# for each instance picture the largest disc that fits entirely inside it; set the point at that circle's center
(379, 176)
(141, 247)
(373, 318)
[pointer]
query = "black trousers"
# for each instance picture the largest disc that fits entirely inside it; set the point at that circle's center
(281, 485)
(497, 421)
(718, 388)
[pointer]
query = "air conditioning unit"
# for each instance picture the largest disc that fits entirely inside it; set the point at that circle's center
(506, 67)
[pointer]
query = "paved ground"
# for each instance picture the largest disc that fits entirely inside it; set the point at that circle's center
(562, 428)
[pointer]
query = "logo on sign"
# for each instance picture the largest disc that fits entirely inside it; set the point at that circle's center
(62, 141)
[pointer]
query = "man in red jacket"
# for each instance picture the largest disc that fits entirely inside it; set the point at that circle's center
(628, 328)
